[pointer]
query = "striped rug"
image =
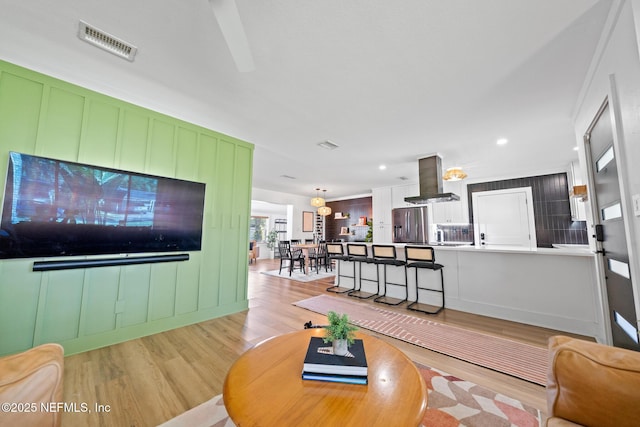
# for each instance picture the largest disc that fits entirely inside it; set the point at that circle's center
(510, 357)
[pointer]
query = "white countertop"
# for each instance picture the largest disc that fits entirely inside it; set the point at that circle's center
(566, 250)
(516, 249)
(553, 288)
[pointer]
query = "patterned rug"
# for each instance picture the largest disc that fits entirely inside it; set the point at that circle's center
(513, 358)
(452, 402)
(298, 276)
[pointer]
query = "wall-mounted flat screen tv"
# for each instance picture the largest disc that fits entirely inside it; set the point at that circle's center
(57, 208)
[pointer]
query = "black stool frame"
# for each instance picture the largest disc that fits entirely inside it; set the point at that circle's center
(386, 255)
(424, 257)
(335, 251)
(359, 253)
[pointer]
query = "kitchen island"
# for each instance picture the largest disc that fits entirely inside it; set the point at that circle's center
(555, 288)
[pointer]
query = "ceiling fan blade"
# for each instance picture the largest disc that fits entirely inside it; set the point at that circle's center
(228, 18)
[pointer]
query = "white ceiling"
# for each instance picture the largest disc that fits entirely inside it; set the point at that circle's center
(387, 81)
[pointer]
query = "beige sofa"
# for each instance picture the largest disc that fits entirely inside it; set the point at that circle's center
(590, 384)
(29, 383)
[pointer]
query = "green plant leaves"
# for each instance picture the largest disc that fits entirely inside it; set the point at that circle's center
(339, 328)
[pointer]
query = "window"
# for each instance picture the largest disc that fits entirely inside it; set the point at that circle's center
(258, 228)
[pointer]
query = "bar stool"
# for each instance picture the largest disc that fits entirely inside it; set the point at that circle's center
(386, 255)
(359, 253)
(424, 257)
(335, 252)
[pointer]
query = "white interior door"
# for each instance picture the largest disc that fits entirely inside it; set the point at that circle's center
(504, 218)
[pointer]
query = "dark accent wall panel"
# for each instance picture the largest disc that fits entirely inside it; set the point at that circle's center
(355, 208)
(551, 207)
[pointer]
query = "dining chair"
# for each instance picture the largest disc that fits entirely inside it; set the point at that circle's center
(318, 257)
(290, 256)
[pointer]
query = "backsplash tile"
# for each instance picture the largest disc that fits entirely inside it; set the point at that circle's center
(457, 233)
(551, 210)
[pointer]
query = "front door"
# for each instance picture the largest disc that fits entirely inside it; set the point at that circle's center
(610, 230)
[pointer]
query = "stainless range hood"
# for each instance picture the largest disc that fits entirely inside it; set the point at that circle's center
(430, 176)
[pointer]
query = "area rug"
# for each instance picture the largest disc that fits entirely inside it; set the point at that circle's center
(514, 358)
(452, 402)
(298, 276)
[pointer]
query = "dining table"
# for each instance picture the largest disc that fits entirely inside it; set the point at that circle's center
(305, 247)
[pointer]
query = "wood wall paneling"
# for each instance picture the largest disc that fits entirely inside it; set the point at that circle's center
(133, 143)
(60, 306)
(187, 150)
(62, 119)
(83, 309)
(355, 208)
(100, 137)
(20, 103)
(135, 286)
(160, 150)
(188, 284)
(19, 298)
(99, 301)
(163, 290)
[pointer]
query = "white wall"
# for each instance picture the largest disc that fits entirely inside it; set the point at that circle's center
(615, 74)
(298, 205)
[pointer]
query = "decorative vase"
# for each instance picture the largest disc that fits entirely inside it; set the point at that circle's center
(340, 347)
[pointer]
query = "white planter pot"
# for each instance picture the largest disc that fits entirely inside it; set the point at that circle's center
(340, 347)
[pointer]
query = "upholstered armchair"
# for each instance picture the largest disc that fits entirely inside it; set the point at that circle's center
(34, 378)
(254, 251)
(590, 384)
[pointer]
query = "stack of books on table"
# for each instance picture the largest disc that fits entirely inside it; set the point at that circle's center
(324, 366)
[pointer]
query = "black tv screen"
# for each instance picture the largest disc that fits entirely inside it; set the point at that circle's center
(59, 208)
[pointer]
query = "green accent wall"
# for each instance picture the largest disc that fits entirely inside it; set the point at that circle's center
(88, 308)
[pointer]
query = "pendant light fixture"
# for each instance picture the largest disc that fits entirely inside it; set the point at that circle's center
(317, 201)
(324, 210)
(454, 174)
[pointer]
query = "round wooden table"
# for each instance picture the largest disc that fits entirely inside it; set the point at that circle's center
(264, 388)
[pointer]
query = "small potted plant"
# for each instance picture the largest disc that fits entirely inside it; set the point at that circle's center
(339, 332)
(272, 241)
(369, 236)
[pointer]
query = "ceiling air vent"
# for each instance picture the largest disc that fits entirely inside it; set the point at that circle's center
(328, 145)
(106, 41)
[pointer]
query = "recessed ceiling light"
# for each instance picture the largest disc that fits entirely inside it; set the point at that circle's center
(382, 167)
(502, 141)
(576, 148)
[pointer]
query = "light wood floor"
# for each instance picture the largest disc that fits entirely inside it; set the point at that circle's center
(146, 381)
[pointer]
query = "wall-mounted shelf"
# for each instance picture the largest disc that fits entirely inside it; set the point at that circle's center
(281, 225)
(579, 192)
(319, 227)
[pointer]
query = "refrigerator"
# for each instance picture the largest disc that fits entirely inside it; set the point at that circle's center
(410, 225)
